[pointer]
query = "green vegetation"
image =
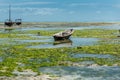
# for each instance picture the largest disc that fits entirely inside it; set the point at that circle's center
(42, 32)
(36, 58)
(16, 56)
(96, 33)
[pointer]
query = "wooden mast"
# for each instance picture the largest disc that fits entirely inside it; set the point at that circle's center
(9, 12)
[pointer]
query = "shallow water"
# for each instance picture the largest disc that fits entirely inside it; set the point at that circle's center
(6, 41)
(1, 59)
(99, 27)
(92, 55)
(74, 43)
(84, 73)
(115, 27)
(112, 41)
(9, 41)
(83, 41)
(42, 40)
(85, 63)
(49, 41)
(3, 40)
(71, 73)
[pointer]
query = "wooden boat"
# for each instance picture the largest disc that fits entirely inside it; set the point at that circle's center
(63, 35)
(18, 21)
(9, 22)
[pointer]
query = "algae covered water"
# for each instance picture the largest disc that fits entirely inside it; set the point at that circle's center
(26, 49)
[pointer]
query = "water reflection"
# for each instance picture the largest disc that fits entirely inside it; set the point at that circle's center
(67, 42)
(8, 29)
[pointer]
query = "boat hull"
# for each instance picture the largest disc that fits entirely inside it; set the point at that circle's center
(18, 23)
(9, 24)
(64, 35)
(56, 38)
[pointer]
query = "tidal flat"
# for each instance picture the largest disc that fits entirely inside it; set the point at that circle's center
(96, 47)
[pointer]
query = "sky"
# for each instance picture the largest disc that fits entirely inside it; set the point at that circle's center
(61, 10)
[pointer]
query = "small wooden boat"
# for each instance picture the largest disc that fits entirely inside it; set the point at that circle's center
(18, 21)
(63, 35)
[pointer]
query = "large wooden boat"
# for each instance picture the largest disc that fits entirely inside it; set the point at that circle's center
(9, 22)
(64, 35)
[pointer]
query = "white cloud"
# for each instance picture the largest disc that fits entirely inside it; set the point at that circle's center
(46, 11)
(4, 4)
(116, 5)
(98, 12)
(34, 3)
(26, 3)
(2, 10)
(90, 4)
(83, 4)
(71, 12)
(37, 11)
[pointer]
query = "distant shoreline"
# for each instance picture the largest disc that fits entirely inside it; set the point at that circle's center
(62, 24)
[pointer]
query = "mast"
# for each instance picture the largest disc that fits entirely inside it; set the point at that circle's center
(9, 12)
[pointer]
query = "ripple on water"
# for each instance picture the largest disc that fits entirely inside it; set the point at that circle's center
(84, 73)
